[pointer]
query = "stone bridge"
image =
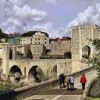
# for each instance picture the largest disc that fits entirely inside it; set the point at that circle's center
(33, 70)
(49, 68)
(49, 90)
(82, 50)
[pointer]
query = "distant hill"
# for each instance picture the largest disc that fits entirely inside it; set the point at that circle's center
(31, 33)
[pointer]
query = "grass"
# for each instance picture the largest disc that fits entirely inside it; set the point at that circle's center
(4, 87)
(91, 98)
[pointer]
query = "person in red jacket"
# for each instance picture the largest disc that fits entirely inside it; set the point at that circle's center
(83, 81)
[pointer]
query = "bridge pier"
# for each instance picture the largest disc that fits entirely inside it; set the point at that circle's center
(14, 53)
(5, 64)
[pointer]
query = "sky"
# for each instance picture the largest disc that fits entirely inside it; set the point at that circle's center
(56, 17)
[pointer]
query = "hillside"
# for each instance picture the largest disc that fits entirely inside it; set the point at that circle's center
(31, 33)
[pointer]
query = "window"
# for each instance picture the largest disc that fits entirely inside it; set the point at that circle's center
(35, 39)
(35, 42)
(45, 38)
(45, 42)
(38, 42)
(38, 38)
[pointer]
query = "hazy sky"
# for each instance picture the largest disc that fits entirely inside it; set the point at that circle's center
(56, 17)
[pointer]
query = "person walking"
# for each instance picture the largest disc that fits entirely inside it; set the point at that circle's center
(62, 80)
(83, 81)
(71, 83)
(67, 79)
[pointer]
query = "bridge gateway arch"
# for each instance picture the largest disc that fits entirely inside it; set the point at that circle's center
(81, 44)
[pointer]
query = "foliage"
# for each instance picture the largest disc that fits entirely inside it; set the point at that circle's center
(3, 35)
(96, 42)
(67, 55)
(91, 98)
(29, 54)
(95, 61)
(31, 33)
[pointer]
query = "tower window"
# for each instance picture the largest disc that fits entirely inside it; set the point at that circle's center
(38, 42)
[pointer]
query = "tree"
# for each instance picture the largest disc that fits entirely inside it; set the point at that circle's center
(3, 35)
(29, 54)
(31, 33)
(95, 61)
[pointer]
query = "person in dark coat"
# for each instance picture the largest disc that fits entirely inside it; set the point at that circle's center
(83, 81)
(62, 80)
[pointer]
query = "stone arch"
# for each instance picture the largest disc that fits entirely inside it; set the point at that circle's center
(35, 74)
(15, 72)
(86, 51)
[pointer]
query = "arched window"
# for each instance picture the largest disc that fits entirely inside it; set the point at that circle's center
(86, 50)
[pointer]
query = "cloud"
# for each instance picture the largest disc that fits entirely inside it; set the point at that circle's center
(91, 16)
(17, 12)
(52, 2)
(49, 28)
(20, 18)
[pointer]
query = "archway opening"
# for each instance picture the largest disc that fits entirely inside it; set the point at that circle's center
(15, 72)
(35, 74)
(86, 50)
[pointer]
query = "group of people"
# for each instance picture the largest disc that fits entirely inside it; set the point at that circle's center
(69, 81)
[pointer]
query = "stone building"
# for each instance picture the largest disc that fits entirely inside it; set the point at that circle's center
(59, 46)
(37, 38)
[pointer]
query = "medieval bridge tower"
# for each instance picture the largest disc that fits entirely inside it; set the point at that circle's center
(81, 44)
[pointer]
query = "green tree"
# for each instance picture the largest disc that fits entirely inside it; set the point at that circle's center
(3, 35)
(30, 33)
(95, 61)
(29, 54)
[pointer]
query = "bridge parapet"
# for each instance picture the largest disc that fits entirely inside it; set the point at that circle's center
(27, 91)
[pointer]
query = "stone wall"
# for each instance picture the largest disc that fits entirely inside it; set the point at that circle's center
(38, 51)
(59, 48)
(94, 90)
